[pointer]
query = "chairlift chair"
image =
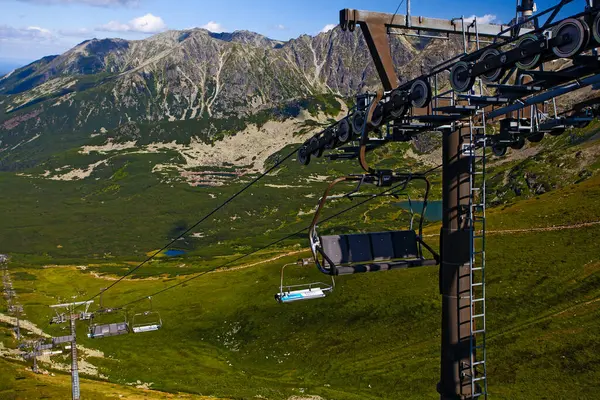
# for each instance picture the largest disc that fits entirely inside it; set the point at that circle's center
(307, 291)
(58, 318)
(146, 321)
(374, 251)
(97, 331)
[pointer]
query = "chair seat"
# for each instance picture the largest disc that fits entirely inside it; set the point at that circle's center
(383, 266)
(146, 328)
(370, 252)
(296, 295)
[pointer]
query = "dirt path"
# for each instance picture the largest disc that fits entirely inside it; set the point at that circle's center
(544, 229)
(537, 229)
(543, 318)
(291, 253)
(24, 324)
(223, 269)
(114, 278)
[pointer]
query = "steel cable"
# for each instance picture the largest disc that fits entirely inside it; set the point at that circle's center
(380, 194)
(204, 218)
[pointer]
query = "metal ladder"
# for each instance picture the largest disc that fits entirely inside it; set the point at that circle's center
(476, 217)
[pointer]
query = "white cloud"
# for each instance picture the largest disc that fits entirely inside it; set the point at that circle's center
(97, 3)
(213, 26)
(31, 33)
(328, 27)
(32, 42)
(36, 34)
(42, 32)
(281, 27)
(146, 24)
(486, 19)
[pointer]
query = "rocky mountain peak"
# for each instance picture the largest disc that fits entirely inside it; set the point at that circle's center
(249, 38)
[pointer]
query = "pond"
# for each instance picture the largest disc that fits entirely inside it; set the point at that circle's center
(433, 212)
(174, 252)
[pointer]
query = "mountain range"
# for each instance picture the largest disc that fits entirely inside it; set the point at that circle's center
(58, 102)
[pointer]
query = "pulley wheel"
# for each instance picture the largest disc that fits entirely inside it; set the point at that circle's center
(343, 131)
(493, 75)
(331, 140)
(536, 137)
(596, 28)
(499, 151)
(358, 122)
(377, 116)
(557, 131)
(420, 93)
(518, 144)
(531, 62)
(398, 107)
(578, 33)
(314, 142)
(303, 156)
(460, 78)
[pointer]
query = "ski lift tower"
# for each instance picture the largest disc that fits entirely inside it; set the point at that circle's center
(458, 235)
(70, 308)
(510, 65)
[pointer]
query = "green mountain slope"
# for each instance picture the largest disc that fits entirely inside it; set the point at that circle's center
(123, 205)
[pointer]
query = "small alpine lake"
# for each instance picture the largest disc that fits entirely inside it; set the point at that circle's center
(174, 252)
(433, 212)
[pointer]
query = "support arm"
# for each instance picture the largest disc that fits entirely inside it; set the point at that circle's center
(376, 36)
(375, 27)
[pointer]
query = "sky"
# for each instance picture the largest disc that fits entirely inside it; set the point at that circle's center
(31, 29)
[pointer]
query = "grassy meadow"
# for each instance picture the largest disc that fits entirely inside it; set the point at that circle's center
(377, 336)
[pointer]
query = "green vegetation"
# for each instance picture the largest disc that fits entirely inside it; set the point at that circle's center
(573, 154)
(376, 336)
(58, 138)
(16, 383)
(123, 206)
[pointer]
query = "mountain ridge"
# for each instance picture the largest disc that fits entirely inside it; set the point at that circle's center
(190, 75)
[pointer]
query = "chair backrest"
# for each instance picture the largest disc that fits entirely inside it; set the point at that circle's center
(369, 247)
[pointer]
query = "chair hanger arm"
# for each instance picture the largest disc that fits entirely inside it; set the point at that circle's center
(436, 256)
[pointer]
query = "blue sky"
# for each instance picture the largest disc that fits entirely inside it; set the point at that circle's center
(30, 29)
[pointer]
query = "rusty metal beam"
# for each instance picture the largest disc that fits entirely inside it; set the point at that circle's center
(376, 27)
(376, 36)
(350, 17)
